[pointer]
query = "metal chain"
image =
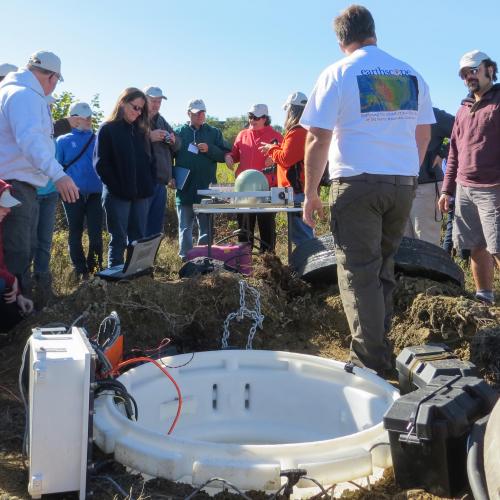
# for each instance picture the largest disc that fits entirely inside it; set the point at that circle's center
(244, 312)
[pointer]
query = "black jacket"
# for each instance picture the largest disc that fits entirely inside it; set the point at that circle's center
(439, 131)
(124, 161)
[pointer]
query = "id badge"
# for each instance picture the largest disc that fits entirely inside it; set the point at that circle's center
(193, 148)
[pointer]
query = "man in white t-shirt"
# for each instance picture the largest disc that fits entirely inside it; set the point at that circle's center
(369, 115)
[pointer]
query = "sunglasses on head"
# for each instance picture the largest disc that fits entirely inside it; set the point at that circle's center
(469, 71)
(138, 109)
(253, 117)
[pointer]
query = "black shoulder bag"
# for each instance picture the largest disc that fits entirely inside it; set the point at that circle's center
(79, 155)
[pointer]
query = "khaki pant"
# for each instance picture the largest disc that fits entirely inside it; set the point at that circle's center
(368, 217)
(425, 219)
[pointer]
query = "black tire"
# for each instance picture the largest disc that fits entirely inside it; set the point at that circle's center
(314, 261)
(422, 259)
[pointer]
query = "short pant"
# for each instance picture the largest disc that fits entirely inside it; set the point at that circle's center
(477, 218)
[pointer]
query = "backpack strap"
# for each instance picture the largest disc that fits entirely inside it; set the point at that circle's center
(80, 154)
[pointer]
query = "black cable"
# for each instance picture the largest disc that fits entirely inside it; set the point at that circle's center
(475, 466)
(115, 485)
(117, 387)
(178, 366)
(128, 401)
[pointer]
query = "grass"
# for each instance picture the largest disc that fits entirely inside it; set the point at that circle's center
(168, 261)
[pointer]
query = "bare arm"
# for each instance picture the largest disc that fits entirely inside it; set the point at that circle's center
(316, 155)
(423, 137)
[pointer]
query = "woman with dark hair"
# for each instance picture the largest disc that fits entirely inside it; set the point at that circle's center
(246, 152)
(289, 159)
(124, 161)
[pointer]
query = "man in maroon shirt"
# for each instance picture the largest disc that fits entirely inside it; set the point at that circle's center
(473, 171)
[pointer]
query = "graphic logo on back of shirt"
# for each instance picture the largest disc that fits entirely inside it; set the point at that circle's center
(386, 93)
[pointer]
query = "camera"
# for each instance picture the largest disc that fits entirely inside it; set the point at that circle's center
(167, 139)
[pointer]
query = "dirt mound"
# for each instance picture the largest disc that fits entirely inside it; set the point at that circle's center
(298, 318)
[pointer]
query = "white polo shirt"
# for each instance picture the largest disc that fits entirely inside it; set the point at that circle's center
(372, 102)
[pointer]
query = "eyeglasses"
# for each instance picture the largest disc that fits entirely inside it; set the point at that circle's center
(469, 71)
(137, 109)
(253, 117)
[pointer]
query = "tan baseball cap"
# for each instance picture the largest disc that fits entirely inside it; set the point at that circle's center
(46, 60)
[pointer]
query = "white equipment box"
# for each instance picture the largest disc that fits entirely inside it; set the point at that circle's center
(60, 410)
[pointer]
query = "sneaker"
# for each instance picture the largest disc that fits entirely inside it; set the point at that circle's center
(484, 300)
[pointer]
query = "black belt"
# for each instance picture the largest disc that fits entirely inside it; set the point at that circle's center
(398, 180)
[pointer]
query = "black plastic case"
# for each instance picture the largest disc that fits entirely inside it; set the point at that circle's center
(428, 431)
(417, 366)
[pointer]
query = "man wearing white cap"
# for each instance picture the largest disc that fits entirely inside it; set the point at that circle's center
(12, 302)
(27, 152)
(202, 147)
(165, 144)
(5, 69)
(473, 171)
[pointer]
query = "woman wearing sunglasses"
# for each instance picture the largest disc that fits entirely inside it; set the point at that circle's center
(289, 159)
(124, 161)
(246, 152)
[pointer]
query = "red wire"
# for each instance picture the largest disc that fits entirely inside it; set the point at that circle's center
(149, 360)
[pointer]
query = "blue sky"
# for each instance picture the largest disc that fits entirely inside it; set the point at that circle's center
(235, 53)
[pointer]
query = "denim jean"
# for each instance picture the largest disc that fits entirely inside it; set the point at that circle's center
(186, 216)
(88, 206)
(156, 212)
(42, 238)
(126, 222)
(300, 230)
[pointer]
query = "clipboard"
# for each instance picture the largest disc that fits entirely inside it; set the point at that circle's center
(181, 175)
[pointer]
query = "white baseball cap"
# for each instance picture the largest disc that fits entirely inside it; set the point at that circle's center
(80, 109)
(151, 91)
(7, 68)
(259, 110)
(46, 60)
(471, 59)
(7, 200)
(297, 98)
(196, 105)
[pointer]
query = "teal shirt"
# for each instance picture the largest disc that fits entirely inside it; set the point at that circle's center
(202, 166)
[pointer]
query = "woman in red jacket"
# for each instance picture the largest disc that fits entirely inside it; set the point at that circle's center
(246, 152)
(12, 303)
(289, 159)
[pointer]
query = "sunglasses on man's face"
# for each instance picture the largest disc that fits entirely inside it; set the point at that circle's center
(253, 117)
(469, 71)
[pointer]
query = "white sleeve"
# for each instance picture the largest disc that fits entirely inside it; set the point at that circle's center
(425, 111)
(26, 117)
(323, 106)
